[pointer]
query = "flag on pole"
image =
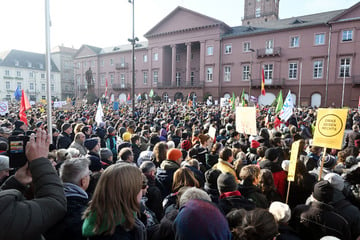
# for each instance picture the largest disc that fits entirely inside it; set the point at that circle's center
(233, 102)
(243, 101)
(17, 94)
(138, 97)
(112, 98)
(24, 105)
(106, 87)
(128, 98)
(263, 82)
(279, 102)
(287, 109)
(151, 94)
(99, 114)
(253, 99)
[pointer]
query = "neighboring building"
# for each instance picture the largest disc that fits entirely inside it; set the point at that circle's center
(189, 53)
(63, 59)
(27, 70)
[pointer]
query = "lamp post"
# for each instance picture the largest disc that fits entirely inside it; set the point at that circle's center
(250, 76)
(133, 42)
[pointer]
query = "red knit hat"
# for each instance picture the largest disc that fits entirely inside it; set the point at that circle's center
(254, 144)
(186, 145)
(174, 154)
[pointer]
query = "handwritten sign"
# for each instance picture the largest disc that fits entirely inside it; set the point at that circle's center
(246, 120)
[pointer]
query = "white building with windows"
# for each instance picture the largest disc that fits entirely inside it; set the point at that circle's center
(27, 71)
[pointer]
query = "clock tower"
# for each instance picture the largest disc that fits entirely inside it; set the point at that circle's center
(257, 12)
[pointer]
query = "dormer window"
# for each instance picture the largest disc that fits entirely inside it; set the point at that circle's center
(29, 64)
(16, 63)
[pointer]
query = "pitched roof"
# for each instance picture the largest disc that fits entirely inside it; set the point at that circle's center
(124, 48)
(22, 59)
(284, 24)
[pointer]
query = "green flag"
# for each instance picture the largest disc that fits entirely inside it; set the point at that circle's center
(279, 102)
(151, 94)
(243, 101)
(233, 101)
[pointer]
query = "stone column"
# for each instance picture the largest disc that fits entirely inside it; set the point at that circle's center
(188, 63)
(173, 65)
(202, 61)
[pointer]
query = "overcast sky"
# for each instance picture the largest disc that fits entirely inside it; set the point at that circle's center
(105, 23)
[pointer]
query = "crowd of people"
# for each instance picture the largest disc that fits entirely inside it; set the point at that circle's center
(156, 173)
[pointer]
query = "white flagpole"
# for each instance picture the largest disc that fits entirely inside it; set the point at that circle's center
(48, 67)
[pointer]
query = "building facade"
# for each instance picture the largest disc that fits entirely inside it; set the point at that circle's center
(187, 53)
(63, 59)
(27, 71)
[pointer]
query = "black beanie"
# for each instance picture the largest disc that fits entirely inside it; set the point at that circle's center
(323, 191)
(211, 177)
(226, 183)
(65, 126)
(271, 154)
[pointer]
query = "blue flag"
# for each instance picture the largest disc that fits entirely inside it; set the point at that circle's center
(17, 94)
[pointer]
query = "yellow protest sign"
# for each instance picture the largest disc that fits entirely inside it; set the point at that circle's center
(293, 159)
(330, 127)
(246, 120)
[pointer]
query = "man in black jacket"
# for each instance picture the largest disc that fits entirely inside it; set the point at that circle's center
(64, 140)
(28, 219)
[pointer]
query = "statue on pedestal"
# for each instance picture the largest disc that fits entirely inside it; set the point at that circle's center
(90, 87)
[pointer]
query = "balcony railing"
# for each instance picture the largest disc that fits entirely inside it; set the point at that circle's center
(161, 85)
(268, 52)
(121, 86)
(120, 66)
(273, 83)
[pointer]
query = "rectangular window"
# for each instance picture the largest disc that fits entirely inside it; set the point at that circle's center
(111, 61)
(209, 74)
(345, 67)
(52, 76)
(31, 86)
(294, 41)
(122, 80)
(178, 79)
(7, 72)
(318, 69)
(228, 48)
(268, 72)
(84, 64)
(7, 85)
(246, 46)
(177, 56)
(156, 56)
(145, 74)
(112, 78)
(155, 76)
(269, 44)
(210, 50)
(31, 74)
(227, 74)
(93, 63)
(42, 76)
(293, 70)
(347, 35)
(258, 12)
(145, 58)
(19, 85)
(102, 79)
(102, 62)
(192, 78)
(18, 73)
(320, 39)
(246, 73)
(43, 87)
(52, 87)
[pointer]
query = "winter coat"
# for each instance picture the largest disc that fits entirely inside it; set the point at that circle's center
(317, 220)
(228, 201)
(164, 176)
(254, 194)
(70, 227)
(154, 198)
(212, 192)
(63, 141)
(287, 233)
(28, 219)
(225, 167)
(278, 173)
(82, 149)
(299, 193)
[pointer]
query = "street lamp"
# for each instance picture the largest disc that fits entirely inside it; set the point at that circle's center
(250, 76)
(133, 42)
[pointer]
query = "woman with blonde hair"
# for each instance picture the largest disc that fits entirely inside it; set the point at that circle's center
(112, 212)
(160, 150)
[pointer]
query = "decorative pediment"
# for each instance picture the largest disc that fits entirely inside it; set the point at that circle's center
(87, 51)
(182, 20)
(349, 14)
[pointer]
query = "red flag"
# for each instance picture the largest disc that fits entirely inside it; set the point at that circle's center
(106, 87)
(128, 97)
(262, 82)
(24, 105)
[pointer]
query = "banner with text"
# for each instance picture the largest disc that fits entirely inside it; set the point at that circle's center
(246, 120)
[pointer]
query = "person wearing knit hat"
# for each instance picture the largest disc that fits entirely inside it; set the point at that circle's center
(230, 197)
(64, 139)
(254, 144)
(200, 219)
(210, 186)
(93, 145)
(106, 156)
(318, 219)
(164, 174)
(186, 145)
(126, 137)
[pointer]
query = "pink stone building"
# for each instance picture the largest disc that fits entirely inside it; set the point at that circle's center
(314, 56)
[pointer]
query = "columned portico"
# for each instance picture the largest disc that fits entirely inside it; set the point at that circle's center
(202, 61)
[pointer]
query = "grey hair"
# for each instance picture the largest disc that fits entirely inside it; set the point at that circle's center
(193, 193)
(147, 166)
(74, 152)
(73, 170)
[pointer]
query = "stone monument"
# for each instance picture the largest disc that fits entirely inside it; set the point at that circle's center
(90, 95)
